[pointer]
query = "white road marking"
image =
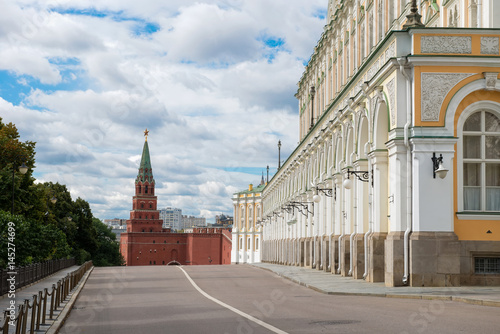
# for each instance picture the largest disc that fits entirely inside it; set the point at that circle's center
(229, 307)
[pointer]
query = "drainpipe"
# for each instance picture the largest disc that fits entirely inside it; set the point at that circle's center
(342, 228)
(402, 62)
(355, 223)
(334, 191)
(479, 13)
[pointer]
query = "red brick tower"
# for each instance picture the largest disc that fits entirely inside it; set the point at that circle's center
(144, 217)
(146, 243)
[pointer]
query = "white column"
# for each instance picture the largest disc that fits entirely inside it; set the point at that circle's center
(432, 197)
(397, 192)
(379, 163)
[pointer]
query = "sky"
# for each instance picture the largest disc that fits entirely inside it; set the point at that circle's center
(213, 82)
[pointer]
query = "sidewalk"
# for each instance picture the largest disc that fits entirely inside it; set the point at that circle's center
(337, 285)
(27, 292)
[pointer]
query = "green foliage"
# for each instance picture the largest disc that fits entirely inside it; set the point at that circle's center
(46, 230)
(33, 242)
(108, 249)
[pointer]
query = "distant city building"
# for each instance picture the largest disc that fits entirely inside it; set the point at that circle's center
(246, 232)
(192, 221)
(172, 218)
(222, 221)
(118, 230)
(115, 222)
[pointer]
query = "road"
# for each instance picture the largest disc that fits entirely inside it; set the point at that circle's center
(242, 299)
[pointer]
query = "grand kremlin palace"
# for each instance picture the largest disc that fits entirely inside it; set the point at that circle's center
(396, 177)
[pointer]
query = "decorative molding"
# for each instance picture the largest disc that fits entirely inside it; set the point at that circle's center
(435, 87)
(491, 80)
(446, 44)
(392, 102)
(489, 45)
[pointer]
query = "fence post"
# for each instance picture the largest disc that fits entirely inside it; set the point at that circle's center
(19, 319)
(5, 322)
(44, 311)
(25, 315)
(33, 314)
(52, 300)
(39, 310)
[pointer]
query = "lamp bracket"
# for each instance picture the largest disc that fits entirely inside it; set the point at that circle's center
(327, 192)
(435, 163)
(360, 174)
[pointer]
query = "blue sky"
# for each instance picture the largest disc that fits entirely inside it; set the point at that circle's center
(214, 81)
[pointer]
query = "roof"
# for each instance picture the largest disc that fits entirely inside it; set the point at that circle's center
(257, 189)
(145, 170)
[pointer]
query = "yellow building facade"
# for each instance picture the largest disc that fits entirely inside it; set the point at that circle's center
(396, 178)
(247, 231)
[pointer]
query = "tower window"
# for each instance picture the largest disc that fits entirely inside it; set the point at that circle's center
(139, 188)
(146, 190)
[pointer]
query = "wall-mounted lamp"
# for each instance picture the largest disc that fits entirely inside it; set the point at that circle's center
(301, 207)
(437, 166)
(361, 175)
(327, 192)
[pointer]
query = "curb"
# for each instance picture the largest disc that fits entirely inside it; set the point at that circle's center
(57, 324)
(466, 300)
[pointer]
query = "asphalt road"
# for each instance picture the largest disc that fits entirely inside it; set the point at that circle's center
(242, 299)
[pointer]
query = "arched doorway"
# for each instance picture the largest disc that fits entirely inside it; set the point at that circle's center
(173, 263)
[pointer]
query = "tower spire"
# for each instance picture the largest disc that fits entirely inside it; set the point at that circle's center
(145, 171)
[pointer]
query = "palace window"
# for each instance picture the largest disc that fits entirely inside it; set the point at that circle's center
(257, 244)
(481, 161)
(487, 265)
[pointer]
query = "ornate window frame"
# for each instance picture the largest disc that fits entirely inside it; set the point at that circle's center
(494, 108)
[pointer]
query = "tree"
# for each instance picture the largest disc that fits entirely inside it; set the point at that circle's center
(13, 152)
(46, 230)
(108, 249)
(33, 242)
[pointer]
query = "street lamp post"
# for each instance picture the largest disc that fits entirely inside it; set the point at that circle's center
(279, 154)
(22, 169)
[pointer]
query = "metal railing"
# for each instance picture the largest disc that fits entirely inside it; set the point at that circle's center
(32, 273)
(37, 311)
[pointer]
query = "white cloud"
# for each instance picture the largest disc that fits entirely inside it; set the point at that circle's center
(208, 83)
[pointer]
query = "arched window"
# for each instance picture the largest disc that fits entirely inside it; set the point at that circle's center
(481, 161)
(257, 244)
(248, 243)
(139, 188)
(146, 190)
